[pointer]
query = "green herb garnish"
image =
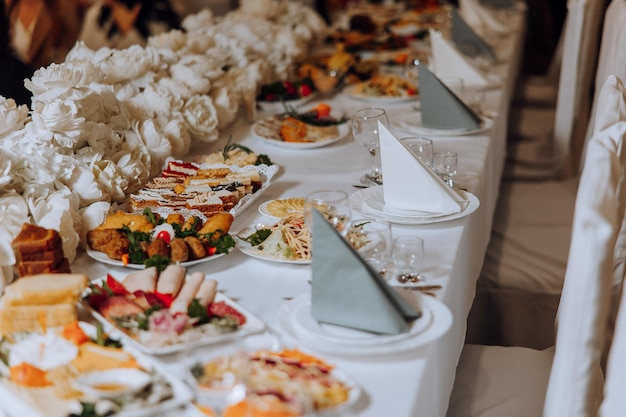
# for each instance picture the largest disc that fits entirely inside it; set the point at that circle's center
(263, 159)
(232, 146)
(151, 217)
(198, 311)
(136, 254)
(158, 261)
(257, 237)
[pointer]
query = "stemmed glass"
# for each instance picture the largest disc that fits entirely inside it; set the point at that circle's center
(445, 164)
(421, 147)
(333, 204)
(365, 132)
(372, 240)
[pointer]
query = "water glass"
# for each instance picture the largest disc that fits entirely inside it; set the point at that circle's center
(454, 84)
(365, 132)
(372, 240)
(408, 258)
(421, 147)
(445, 165)
(332, 204)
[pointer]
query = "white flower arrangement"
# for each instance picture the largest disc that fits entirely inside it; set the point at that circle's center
(102, 123)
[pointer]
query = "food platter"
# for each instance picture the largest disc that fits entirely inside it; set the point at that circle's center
(268, 130)
(45, 402)
(202, 337)
(102, 257)
(254, 252)
(354, 91)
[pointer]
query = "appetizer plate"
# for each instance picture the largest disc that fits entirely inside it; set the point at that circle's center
(38, 402)
(272, 135)
(250, 250)
(412, 122)
(253, 325)
(102, 257)
(370, 202)
(352, 92)
(279, 107)
(286, 205)
(292, 318)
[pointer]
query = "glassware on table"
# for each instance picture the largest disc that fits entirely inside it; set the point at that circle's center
(421, 147)
(408, 259)
(455, 84)
(445, 165)
(365, 132)
(372, 239)
(333, 204)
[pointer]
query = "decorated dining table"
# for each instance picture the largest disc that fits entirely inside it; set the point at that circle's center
(254, 226)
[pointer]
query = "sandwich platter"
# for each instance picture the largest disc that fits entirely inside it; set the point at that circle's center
(159, 321)
(80, 369)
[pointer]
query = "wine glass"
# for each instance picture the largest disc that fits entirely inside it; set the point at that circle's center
(365, 132)
(332, 204)
(445, 165)
(408, 257)
(421, 147)
(372, 240)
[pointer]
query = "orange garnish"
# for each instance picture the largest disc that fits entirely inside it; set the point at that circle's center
(125, 259)
(28, 375)
(322, 109)
(243, 409)
(74, 333)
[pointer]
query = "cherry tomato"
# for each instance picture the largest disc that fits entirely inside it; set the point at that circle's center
(163, 234)
(211, 250)
(305, 90)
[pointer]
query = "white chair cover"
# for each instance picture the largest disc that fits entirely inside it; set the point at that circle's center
(575, 381)
(612, 58)
(547, 153)
(575, 387)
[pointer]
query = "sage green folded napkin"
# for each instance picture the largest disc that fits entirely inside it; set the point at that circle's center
(466, 39)
(346, 291)
(440, 107)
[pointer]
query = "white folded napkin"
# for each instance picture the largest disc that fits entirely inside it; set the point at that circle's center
(450, 62)
(411, 185)
(478, 16)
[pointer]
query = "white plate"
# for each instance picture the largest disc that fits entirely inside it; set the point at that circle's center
(250, 250)
(102, 257)
(253, 325)
(374, 198)
(412, 122)
(343, 130)
(307, 326)
(278, 107)
(15, 402)
(439, 325)
(263, 209)
(350, 91)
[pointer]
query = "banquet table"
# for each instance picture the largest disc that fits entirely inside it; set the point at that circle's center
(401, 384)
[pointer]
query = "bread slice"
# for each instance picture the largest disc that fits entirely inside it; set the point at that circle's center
(31, 318)
(43, 267)
(35, 239)
(45, 289)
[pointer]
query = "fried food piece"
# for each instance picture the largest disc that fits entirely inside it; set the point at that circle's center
(193, 223)
(293, 130)
(175, 218)
(135, 222)
(219, 221)
(110, 241)
(196, 248)
(158, 247)
(179, 251)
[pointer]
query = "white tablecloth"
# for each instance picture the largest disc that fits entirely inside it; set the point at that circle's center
(408, 384)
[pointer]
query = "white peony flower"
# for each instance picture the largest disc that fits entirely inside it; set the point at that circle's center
(12, 117)
(92, 216)
(193, 70)
(6, 176)
(173, 40)
(13, 214)
(134, 166)
(129, 64)
(55, 81)
(198, 21)
(156, 143)
(61, 118)
(201, 117)
(101, 138)
(83, 183)
(226, 102)
(111, 179)
(175, 130)
(58, 211)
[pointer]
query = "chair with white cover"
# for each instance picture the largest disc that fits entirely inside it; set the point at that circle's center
(565, 381)
(542, 138)
(520, 284)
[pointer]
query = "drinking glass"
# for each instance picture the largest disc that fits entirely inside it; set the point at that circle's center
(421, 147)
(372, 240)
(332, 204)
(365, 132)
(455, 84)
(445, 165)
(408, 258)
